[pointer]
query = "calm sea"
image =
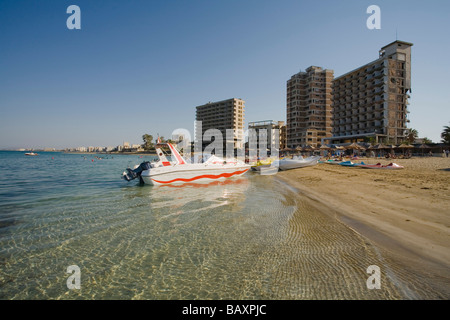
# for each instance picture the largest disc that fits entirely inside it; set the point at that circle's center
(245, 238)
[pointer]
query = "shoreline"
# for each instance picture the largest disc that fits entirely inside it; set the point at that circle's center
(402, 212)
(113, 153)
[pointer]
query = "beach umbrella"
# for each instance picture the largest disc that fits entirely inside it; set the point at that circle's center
(308, 148)
(339, 148)
(298, 149)
(354, 145)
(404, 147)
(324, 147)
(380, 146)
(423, 147)
(392, 147)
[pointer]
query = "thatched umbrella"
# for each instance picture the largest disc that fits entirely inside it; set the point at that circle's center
(324, 147)
(308, 148)
(339, 148)
(423, 147)
(392, 147)
(381, 146)
(353, 146)
(404, 147)
(298, 149)
(287, 150)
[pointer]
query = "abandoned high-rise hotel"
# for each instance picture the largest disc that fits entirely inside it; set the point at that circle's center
(309, 107)
(370, 101)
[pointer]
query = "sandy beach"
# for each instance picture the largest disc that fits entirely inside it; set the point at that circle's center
(406, 212)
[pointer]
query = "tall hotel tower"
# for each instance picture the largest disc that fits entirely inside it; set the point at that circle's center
(372, 100)
(308, 104)
(221, 115)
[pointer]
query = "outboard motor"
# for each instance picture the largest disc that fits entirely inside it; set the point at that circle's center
(131, 174)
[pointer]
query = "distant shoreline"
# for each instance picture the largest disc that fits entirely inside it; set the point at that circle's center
(140, 153)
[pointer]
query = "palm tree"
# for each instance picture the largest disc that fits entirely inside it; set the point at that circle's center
(426, 140)
(370, 140)
(412, 135)
(445, 135)
(148, 142)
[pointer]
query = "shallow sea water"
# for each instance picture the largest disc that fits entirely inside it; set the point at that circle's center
(251, 237)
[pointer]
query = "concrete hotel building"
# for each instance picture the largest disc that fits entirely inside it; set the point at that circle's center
(371, 101)
(308, 103)
(221, 115)
(271, 137)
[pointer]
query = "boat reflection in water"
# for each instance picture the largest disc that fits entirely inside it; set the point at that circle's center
(195, 197)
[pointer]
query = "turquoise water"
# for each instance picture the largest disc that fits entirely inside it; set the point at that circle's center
(245, 238)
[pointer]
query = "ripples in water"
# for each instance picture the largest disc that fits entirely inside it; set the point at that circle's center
(245, 238)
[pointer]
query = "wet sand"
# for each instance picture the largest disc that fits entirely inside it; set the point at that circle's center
(404, 212)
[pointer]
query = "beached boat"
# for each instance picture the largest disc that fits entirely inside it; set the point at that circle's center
(296, 162)
(351, 164)
(178, 170)
(390, 166)
(31, 154)
(331, 161)
(259, 164)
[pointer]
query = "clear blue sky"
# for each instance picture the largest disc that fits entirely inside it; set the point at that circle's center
(140, 67)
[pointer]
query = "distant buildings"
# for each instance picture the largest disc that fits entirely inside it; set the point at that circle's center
(372, 100)
(273, 139)
(308, 107)
(221, 115)
(368, 102)
(126, 147)
(177, 138)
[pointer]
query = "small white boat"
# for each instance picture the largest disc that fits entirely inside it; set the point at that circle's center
(31, 154)
(179, 170)
(296, 162)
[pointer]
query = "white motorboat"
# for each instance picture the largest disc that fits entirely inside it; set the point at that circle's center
(31, 154)
(179, 170)
(296, 162)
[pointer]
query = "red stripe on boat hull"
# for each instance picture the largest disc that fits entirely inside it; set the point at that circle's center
(205, 176)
